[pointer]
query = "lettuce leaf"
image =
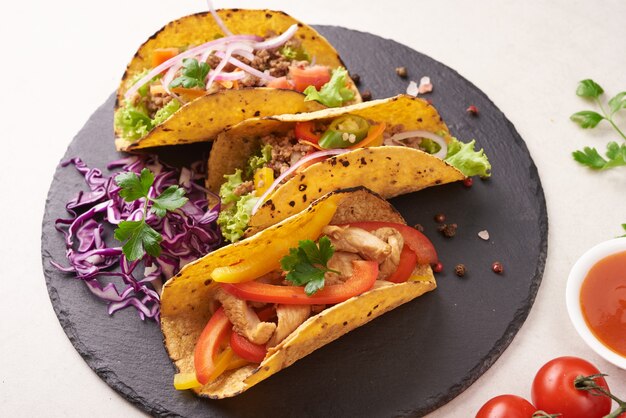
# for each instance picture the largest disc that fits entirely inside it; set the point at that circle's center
(165, 112)
(257, 161)
(295, 53)
(227, 189)
(133, 122)
(467, 160)
(333, 93)
(233, 220)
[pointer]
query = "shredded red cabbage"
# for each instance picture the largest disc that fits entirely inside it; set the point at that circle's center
(188, 233)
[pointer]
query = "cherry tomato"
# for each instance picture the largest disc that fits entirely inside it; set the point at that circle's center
(506, 406)
(315, 76)
(553, 389)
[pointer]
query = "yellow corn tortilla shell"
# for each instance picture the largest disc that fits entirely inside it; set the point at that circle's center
(387, 170)
(185, 309)
(206, 118)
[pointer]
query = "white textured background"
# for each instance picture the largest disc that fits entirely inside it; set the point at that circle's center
(61, 59)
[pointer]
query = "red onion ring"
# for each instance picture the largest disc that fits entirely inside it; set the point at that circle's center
(305, 159)
(218, 20)
(247, 68)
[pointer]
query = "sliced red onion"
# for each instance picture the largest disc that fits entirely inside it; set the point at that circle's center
(247, 68)
(218, 19)
(424, 134)
(279, 40)
(305, 159)
(220, 67)
(235, 75)
(244, 53)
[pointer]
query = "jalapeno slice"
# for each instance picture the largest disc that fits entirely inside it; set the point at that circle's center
(344, 132)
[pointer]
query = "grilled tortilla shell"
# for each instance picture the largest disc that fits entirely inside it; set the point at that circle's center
(185, 309)
(203, 118)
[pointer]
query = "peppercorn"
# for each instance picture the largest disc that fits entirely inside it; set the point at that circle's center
(366, 96)
(440, 218)
(356, 78)
(472, 110)
(419, 227)
(497, 267)
(468, 182)
(460, 270)
(437, 267)
(401, 71)
(448, 230)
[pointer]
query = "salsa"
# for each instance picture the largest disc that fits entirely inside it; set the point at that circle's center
(603, 301)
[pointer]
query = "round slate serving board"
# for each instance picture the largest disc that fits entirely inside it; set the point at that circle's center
(407, 362)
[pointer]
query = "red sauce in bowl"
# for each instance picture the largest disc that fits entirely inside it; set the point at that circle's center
(603, 301)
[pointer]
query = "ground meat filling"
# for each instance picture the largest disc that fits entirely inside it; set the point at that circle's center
(244, 188)
(286, 151)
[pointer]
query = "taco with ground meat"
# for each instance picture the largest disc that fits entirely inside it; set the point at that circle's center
(244, 312)
(267, 169)
(204, 72)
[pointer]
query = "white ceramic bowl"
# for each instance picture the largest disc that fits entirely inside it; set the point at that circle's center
(572, 296)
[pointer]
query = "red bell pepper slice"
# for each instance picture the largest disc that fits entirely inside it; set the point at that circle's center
(247, 350)
(306, 131)
(364, 274)
(418, 242)
(214, 332)
(408, 260)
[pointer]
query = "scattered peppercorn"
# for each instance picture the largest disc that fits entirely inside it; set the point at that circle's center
(460, 270)
(448, 230)
(497, 267)
(401, 71)
(437, 267)
(468, 182)
(419, 227)
(356, 78)
(440, 218)
(472, 110)
(366, 96)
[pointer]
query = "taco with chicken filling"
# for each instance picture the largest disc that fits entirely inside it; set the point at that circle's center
(204, 72)
(244, 312)
(267, 169)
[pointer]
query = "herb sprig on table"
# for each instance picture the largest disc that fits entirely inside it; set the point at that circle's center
(589, 119)
(138, 237)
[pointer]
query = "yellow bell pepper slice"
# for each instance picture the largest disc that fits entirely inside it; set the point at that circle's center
(184, 381)
(263, 179)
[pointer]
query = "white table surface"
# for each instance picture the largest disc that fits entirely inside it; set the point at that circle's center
(61, 59)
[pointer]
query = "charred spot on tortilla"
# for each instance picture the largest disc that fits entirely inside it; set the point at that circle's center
(292, 203)
(302, 187)
(257, 113)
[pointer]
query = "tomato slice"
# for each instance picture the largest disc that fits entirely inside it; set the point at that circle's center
(408, 260)
(418, 242)
(280, 83)
(364, 274)
(305, 131)
(316, 76)
(247, 350)
(204, 358)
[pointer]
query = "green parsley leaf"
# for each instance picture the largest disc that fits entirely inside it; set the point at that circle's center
(307, 264)
(193, 74)
(171, 199)
(590, 157)
(587, 119)
(334, 93)
(134, 186)
(140, 239)
(618, 102)
(589, 88)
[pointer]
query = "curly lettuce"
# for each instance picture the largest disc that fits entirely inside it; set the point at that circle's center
(258, 161)
(334, 93)
(467, 160)
(165, 112)
(295, 53)
(233, 220)
(134, 123)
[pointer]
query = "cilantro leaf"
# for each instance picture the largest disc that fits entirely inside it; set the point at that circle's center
(590, 157)
(333, 93)
(140, 239)
(307, 264)
(589, 88)
(618, 102)
(586, 119)
(134, 186)
(193, 74)
(171, 199)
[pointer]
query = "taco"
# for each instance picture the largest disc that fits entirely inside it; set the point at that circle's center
(244, 312)
(194, 77)
(266, 169)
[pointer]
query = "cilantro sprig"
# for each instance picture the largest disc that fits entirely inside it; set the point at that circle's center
(589, 119)
(307, 264)
(192, 75)
(138, 237)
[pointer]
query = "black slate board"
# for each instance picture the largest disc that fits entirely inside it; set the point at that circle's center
(407, 362)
